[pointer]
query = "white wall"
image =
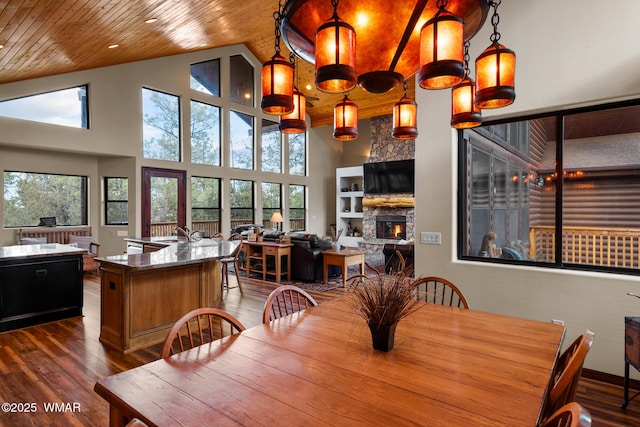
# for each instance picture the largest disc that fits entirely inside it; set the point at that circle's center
(569, 53)
(113, 144)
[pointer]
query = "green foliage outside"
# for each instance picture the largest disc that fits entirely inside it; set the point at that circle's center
(30, 196)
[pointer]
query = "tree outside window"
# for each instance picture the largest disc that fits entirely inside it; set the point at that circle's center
(161, 127)
(116, 208)
(241, 201)
(241, 143)
(271, 200)
(205, 134)
(297, 207)
(271, 147)
(298, 154)
(29, 196)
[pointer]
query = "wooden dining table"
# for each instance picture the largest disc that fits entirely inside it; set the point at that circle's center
(449, 367)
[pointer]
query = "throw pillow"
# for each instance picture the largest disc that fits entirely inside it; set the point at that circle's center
(33, 240)
(83, 242)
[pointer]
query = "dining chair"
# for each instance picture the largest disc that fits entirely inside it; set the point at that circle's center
(136, 422)
(569, 415)
(198, 327)
(437, 290)
(566, 375)
(233, 259)
(284, 300)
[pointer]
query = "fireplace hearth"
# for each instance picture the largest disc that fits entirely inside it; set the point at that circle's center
(392, 227)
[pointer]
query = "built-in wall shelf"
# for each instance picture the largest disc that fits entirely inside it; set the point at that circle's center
(349, 191)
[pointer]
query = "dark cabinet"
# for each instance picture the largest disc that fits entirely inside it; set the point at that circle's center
(40, 289)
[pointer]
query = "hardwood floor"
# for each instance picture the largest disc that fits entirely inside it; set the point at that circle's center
(60, 362)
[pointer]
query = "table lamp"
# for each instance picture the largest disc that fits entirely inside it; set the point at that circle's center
(277, 218)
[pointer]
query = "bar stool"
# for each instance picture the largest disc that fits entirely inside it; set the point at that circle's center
(224, 283)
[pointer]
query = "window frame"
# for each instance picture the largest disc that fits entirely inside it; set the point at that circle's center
(557, 262)
(108, 201)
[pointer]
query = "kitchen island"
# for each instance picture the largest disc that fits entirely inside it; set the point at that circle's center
(143, 294)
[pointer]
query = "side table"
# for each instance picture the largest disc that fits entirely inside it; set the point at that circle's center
(342, 258)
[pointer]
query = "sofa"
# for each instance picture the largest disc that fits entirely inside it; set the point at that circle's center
(306, 256)
(391, 259)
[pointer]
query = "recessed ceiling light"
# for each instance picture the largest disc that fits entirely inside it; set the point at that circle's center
(151, 20)
(308, 86)
(113, 46)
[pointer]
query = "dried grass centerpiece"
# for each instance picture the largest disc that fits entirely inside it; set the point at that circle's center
(382, 301)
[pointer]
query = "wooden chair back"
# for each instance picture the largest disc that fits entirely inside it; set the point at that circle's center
(233, 259)
(569, 415)
(284, 300)
(135, 422)
(564, 380)
(198, 327)
(437, 290)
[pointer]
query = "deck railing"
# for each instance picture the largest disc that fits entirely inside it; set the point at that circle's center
(212, 227)
(610, 247)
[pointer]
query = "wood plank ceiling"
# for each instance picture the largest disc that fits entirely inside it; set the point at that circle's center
(48, 37)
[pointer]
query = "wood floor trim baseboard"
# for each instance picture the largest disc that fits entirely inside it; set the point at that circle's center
(609, 378)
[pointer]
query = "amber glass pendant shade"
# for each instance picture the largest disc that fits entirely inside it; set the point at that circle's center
(345, 120)
(335, 56)
(295, 122)
(441, 52)
(277, 86)
(405, 113)
(464, 113)
(495, 77)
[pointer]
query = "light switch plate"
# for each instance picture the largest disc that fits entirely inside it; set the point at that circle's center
(122, 233)
(431, 237)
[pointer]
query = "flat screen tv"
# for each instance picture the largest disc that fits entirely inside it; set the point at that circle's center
(389, 177)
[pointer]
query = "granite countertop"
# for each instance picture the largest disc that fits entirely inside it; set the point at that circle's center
(35, 251)
(177, 252)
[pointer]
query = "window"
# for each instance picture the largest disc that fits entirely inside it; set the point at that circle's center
(241, 198)
(271, 201)
(205, 134)
(298, 154)
(161, 127)
(241, 143)
(297, 207)
(241, 80)
(66, 107)
(205, 77)
(205, 204)
(30, 196)
(271, 147)
(568, 200)
(116, 203)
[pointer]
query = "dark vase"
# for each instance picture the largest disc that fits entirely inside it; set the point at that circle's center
(382, 335)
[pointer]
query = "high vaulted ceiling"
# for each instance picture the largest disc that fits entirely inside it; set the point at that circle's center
(47, 37)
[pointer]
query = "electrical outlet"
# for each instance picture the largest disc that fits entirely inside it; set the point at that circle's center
(431, 237)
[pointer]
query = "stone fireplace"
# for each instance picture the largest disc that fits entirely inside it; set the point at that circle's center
(385, 148)
(391, 227)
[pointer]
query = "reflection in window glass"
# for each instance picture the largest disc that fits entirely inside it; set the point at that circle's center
(31, 196)
(241, 80)
(161, 127)
(271, 147)
(67, 107)
(271, 200)
(241, 143)
(205, 134)
(116, 202)
(508, 198)
(205, 77)
(298, 154)
(297, 207)
(241, 202)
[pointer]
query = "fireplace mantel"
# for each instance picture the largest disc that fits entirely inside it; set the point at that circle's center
(389, 202)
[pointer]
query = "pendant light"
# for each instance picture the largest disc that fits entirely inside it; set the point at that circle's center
(405, 114)
(335, 55)
(277, 78)
(345, 120)
(495, 70)
(441, 40)
(464, 113)
(295, 122)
